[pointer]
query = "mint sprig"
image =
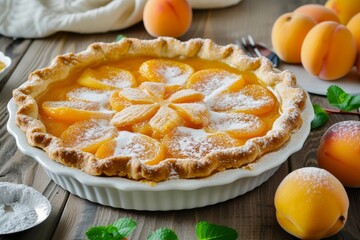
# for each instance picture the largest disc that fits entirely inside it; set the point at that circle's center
(125, 226)
(163, 234)
(321, 117)
(338, 98)
(208, 231)
(116, 231)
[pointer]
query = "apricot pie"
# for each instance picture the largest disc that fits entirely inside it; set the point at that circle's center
(158, 109)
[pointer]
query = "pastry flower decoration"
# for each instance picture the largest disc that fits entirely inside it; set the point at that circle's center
(159, 108)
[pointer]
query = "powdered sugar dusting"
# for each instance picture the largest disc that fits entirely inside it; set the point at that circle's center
(191, 143)
(347, 131)
(233, 121)
(127, 144)
(215, 82)
(90, 106)
(89, 95)
(118, 79)
(79, 105)
(173, 74)
(314, 179)
(89, 132)
(21, 207)
(236, 101)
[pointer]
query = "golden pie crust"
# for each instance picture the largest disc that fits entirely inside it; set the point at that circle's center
(291, 99)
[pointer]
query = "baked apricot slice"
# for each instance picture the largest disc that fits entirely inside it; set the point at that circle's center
(154, 89)
(166, 71)
(107, 78)
(136, 96)
(186, 142)
(165, 120)
(212, 81)
(186, 96)
(196, 115)
(118, 102)
(134, 145)
(68, 111)
(143, 128)
(129, 96)
(134, 114)
(88, 135)
(252, 99)
(238, 125)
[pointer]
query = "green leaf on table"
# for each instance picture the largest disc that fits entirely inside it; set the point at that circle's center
(337, 97)
(119, 37)
(208, 231)
(354, 102)
(120, 229)
(104, 232)
(125, 226)
(321, 117)
(163, 234)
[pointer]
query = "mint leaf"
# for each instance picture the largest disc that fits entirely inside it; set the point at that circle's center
(321, 117)
(207, 231)
(119, 37)
(116, 231)
(337, 97)
(103, 232)
(125, 226)
(163, 234)
(354, 102)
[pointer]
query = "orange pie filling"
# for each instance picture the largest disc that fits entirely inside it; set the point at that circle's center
(157, 109)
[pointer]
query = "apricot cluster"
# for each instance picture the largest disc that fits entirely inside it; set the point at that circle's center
(317, 36)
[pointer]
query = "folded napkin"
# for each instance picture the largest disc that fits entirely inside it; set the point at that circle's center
(41, 18)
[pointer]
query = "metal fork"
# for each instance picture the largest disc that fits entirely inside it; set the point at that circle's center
(254, 49)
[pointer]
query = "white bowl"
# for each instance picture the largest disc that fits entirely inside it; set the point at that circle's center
(21, 207)
(168, 195)
(7, 61)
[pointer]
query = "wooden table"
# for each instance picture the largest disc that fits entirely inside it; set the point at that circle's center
(252, 214)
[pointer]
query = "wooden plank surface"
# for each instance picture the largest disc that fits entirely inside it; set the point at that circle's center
(252, 215)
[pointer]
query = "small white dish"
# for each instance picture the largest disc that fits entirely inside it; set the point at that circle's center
(172, 194)
(7, 61)
(349, 83)
(21, 207)
(210, 4)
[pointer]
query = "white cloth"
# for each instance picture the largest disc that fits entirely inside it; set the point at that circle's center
(41, 18)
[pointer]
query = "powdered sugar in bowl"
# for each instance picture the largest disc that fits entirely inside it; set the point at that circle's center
(21, 207)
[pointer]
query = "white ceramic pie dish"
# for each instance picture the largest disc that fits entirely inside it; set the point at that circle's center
(169, 195)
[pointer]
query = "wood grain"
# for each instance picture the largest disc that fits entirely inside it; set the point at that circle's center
(252, 214)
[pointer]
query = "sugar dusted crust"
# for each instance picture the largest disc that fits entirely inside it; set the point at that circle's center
(292, 102)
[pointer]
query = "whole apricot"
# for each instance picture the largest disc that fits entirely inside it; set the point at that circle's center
(288, 33)
(354, 27)
(170, 18)
(328, 51)
(318, 13)
(339, 152)
(344, 9)
(311, 203)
